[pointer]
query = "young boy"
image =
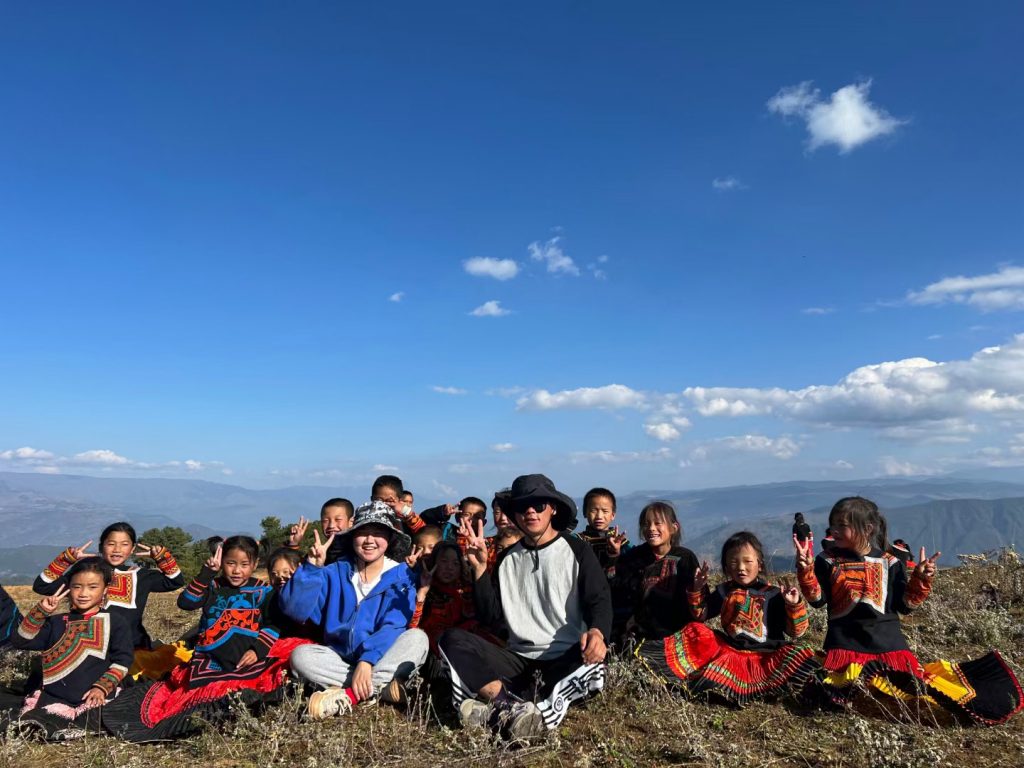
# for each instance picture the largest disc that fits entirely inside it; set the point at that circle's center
(507, 534)
(607, 541)
(335, 517)
(426, 539)
(450, 517)
(86, 652)
(549, 592)
(388, 489)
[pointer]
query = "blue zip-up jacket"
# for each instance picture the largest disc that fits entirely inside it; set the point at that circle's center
(326, 597)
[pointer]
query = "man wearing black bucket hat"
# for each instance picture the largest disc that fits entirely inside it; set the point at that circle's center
(549, 593)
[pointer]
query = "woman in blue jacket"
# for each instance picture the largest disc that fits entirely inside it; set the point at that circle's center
(363, 603)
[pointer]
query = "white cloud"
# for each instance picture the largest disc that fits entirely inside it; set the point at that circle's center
(847, 119)
(611, 397)
(397, 297)
(446, 490)
(619, 457)
(913, 390)
(102, 457)
(778, 447)
(25, 453)
(941, 431)
(490, 309)
(1002, 290)
(193, 466)
(817, 311)
(449, 390)
(727, 184)
(503, 447)
(662, 431)
(505, 391)
(843, 464)
(499, 269)
(893, 467)
(389, 468)
(553, 256)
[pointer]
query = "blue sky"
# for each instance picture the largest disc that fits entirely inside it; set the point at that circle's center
(246, 243)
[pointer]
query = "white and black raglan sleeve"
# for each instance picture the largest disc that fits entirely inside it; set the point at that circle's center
(594, 593)
(487, 597)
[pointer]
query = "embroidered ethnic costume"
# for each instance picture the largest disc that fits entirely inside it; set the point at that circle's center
(749, 658)
(652, 592)
(127, 594)
(234, 620)
(865, 595)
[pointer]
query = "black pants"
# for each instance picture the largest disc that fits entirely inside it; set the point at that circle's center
(477, 662)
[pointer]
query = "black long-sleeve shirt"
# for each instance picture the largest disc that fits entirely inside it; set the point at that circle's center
(546, 596)
(653, 591)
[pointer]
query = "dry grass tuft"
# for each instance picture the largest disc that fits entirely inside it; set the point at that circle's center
(635, 722)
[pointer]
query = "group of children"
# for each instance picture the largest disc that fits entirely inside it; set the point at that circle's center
(518, 624)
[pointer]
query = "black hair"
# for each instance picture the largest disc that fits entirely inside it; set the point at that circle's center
(121, 527)
(94, 564)
(594, 493)
(338, 502)
(473, 500)
(501, 500)
(860, 513)
(213, 542)
(246, 544)
(428, 530)
(284, 553)
(668, 513)
(446, 546)
(798, 518)
(387, 481)
(408, 493)
(741, 539)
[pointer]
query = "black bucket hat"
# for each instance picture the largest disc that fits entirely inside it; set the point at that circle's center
(379, 513)
(527, 489)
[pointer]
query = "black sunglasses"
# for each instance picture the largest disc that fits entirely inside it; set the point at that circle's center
(538, 505)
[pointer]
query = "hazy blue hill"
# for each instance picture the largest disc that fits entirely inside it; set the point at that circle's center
(953, 527)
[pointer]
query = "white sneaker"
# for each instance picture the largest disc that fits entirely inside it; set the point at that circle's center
(329, 702)
(474, 714)
(525, 722)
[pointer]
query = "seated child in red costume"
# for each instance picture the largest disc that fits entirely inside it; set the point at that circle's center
(750, 657)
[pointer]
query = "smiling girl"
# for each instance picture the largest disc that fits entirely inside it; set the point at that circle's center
(86, 651)
(652, 580)
(750, 657)
(131, 584)
(363, 602)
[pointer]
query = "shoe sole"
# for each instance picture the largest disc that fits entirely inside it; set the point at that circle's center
(529, 725)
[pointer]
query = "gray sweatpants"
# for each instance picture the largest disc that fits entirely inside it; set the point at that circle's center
(321, 665)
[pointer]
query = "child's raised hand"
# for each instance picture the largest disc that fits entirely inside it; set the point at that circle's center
(615, 541)
(297, 532)
(414, 556)
(476, 546)
(248, 659)
(79, 552)
(145, 550)
(318, 552)
(789, 592)
(49, 604)
(213, 561)
(804, 552)
(700, 577)
(427, 577)
(94, 697)
(451, 509)
(925, 568)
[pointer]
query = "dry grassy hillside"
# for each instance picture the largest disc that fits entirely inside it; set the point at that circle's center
(633, 723)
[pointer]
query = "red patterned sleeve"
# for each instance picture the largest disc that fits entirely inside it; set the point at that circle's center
(698, 602)
(110, 679)
(810, 588)
(797, 621)
(167, 564)
(32, 623)
(417, 615)
(918, 589)
(58, 567)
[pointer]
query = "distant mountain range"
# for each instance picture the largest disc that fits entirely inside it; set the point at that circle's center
(40, 514)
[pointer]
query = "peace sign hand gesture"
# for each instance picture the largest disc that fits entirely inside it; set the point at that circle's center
(414, 556)
(79, 552)
(297, 532)
(145, 550)
(700, 577)
(213, 561)
(318, 552)
(789, 592)
(804, 552)
(49, 604)
(925, 568)
(476, 546)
